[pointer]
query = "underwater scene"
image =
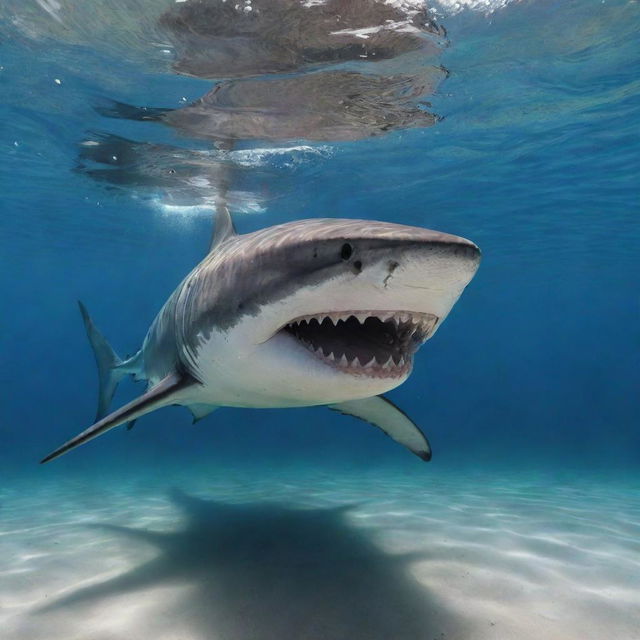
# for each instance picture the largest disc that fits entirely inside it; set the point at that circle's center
(320, 320)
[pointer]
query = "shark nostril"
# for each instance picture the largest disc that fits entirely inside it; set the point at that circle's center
(357, 265)
(346, 251)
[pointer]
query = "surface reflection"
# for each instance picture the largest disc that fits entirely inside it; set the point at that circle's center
(219, 39)
(330, 106)
(285, 71)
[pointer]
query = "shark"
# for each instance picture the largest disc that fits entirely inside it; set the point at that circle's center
(320, 312)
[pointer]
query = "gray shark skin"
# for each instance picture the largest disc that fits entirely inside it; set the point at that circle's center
(323, 312)
(219, 39)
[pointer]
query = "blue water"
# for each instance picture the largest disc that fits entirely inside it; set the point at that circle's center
(535, 375)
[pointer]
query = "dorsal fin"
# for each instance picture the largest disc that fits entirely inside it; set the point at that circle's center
(223, 225)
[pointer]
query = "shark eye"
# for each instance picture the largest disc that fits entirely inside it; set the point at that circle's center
(346, 251)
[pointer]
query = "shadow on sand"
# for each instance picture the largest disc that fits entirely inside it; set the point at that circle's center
(267, 572)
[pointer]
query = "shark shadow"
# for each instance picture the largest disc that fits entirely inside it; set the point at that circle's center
(266, 572)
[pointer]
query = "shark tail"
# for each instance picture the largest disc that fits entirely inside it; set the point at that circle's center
(111, 369)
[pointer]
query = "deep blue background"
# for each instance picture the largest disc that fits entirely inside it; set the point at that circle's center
(536, 160)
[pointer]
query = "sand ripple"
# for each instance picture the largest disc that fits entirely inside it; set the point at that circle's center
(457, 557)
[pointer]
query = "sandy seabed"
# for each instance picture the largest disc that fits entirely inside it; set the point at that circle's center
(286, 555)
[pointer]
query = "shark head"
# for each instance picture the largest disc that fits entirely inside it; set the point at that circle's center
(318, 311)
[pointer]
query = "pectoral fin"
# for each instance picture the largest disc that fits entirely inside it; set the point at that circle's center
(162, 395)
(199, 411)
(382, 413)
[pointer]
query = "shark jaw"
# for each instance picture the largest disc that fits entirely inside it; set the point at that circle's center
(373, 344)
(319, 319)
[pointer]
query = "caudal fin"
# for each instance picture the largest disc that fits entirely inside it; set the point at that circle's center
(109, 375)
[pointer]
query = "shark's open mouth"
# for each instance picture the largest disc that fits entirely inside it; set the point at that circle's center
(372, 343)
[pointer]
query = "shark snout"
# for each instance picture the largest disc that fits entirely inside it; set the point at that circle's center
(443, 263)
(424, 276)
(387, 248)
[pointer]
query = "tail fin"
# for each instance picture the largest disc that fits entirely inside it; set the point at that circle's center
(107, 360)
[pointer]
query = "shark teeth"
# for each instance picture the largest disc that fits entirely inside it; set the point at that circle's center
(425, 321)
(369, 343)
